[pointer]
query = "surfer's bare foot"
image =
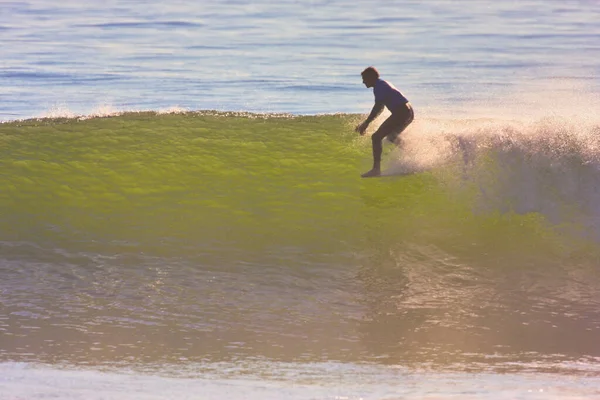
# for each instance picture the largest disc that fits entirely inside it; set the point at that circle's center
(371, 173)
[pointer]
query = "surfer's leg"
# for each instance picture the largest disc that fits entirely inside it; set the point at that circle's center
(376, 139)
(385, 130)
(391, 128)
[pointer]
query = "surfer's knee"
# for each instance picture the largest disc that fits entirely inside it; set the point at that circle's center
(393, 137)
(376, 139)
(379, 135)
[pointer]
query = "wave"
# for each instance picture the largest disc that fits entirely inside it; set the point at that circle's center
(279, 173)
(144, 226)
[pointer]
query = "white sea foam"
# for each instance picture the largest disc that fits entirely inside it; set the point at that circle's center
(172, 110)
(102, 110)
(64, 111)
(549, 165)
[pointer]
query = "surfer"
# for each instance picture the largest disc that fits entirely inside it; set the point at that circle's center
(386, 95)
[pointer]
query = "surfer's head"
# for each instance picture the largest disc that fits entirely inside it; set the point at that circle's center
(370, 76)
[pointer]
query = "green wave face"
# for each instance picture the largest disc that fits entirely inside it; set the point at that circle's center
(202, 179)
(197, 178)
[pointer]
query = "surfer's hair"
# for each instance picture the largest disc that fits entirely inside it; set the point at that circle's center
(370, 72)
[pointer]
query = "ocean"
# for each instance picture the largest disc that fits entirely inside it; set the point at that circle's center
(182, 214)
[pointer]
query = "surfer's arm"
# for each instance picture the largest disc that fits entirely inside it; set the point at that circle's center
(377, 109)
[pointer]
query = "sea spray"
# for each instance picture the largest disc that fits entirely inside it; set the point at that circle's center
(549, 166)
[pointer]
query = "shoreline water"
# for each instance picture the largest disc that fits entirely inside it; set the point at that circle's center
(316, 381)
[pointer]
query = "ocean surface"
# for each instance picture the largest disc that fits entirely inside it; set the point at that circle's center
(182, 214)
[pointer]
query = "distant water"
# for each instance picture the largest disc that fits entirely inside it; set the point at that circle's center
(293, 56)
(172, 254)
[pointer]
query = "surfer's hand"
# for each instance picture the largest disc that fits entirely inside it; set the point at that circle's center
(362, 128)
